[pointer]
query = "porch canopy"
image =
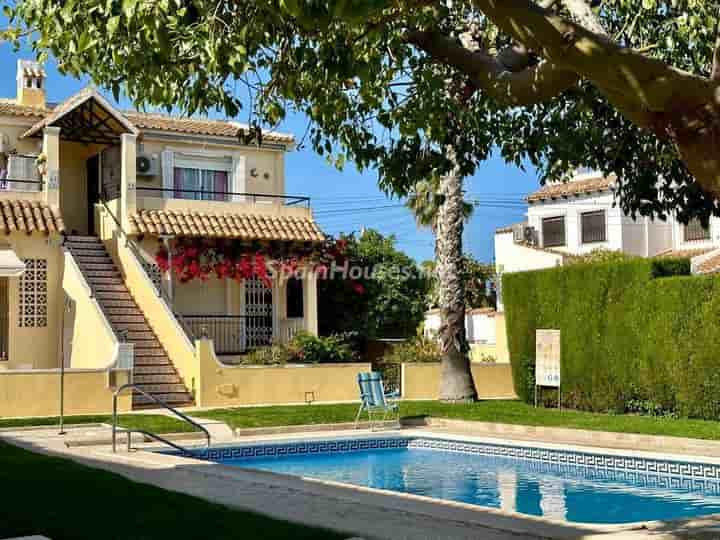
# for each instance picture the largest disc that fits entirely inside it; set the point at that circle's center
(85, 117)
(244, 227)
(10, 263)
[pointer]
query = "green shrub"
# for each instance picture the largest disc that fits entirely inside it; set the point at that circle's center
(629, 342)
(417, 349)
(275, 355)
(309, 349)
(671, 266)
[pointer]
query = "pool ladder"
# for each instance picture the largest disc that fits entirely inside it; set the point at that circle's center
(154, 436)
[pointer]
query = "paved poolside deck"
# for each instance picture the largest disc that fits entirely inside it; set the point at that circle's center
(365, 512)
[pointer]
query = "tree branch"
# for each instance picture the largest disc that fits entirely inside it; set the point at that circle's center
(715, 75)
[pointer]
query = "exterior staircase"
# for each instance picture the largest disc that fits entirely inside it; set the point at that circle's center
(153, 371)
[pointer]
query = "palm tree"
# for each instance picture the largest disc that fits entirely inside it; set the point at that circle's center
(439, 204)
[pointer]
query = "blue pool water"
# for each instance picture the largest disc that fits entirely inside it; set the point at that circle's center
(561, 491)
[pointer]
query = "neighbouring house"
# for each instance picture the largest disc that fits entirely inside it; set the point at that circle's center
(485, 331)
(578, 217)
(94, 201)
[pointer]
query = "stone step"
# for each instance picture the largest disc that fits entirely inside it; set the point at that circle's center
(123, 310)
(141, 336)
(93, 257)
(97, 266)
(147, 361)
(149, 349)
(140, 370)
(177, 399)
(87, 249)
(110, 287)
(119, 304)
(156, 378)
(101, 274)
(131, 327)
(174, 387)
(122, 318)
(79, 239)
(114, 295)
(104, 280)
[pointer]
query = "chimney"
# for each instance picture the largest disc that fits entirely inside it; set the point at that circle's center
(30, 84)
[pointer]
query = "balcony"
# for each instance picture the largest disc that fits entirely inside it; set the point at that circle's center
(231, 334)
(221, 202)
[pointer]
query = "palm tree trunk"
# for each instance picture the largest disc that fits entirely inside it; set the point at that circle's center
(456, 382)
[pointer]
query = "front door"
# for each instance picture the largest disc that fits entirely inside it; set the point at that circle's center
(258, 314)
(93, 190)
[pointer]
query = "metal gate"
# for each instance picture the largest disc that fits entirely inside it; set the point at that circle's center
(258, 314)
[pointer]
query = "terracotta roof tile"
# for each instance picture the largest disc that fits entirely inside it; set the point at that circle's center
(508, 228)
(198, 126)
(574, 187)
(683, 253)
(29, 217)
(711, 265)
(156, 121)
(241, 226)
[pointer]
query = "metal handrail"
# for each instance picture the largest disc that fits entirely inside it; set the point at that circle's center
(147, 433)
(289, 200)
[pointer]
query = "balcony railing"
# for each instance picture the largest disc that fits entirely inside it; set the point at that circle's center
(232, 334)
(222, 196)
(23, 185)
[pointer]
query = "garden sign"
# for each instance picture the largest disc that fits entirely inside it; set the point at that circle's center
(547, 360)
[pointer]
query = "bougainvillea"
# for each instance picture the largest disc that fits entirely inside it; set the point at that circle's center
(200, 258)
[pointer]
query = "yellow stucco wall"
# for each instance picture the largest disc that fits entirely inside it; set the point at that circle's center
(478, 351)
(422, 381)
(38, 393)
(263, 160)
(89, 339)
(502, 354)
(73, 183)
(36, 347)
(226, 386)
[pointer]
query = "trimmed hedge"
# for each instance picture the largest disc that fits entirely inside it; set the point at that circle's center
(627, 337)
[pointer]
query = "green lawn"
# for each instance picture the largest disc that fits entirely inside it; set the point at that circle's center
(507, 412)
(155, 423)
(64, 500)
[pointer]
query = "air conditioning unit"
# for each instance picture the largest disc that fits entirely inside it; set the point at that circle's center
(519, 232)
(147, 165)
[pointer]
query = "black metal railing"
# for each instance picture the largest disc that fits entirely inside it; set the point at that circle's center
(223, 196)
(17, 184)
(232, 334)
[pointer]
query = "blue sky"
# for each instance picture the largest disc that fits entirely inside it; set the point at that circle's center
(346, 201)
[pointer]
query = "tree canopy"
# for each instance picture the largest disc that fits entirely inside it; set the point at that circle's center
(623, 86)
(479, 279)
(383, 294)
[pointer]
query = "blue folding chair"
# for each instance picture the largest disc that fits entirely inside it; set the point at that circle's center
(374, 400)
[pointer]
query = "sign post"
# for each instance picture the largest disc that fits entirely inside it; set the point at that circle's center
(547, 362)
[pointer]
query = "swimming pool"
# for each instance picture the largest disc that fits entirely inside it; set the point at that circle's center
(569, 485)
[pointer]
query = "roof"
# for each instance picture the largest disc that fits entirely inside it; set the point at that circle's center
(711, 265)
(683, 253)
(226, 225)
(573, 187)
(72, 103)
(29, 216)
(153, 121)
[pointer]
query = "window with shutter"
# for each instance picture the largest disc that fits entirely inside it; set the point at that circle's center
(593, 227)
(553, 231)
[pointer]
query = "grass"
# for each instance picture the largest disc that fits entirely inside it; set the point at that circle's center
(64, 500)
(155, 423)
(506, 412)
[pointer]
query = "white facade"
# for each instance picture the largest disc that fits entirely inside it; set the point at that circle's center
(479, 325)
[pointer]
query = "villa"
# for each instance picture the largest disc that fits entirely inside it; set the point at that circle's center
(95, 204)
(579, 216)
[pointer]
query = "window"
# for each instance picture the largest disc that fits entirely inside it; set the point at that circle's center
(553, 231)
(694, 231)
(202, 178)
(294, 299)
(593, 227)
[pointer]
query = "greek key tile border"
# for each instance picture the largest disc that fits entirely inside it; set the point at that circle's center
(583, 459)
(568, 461)
(305, 448)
